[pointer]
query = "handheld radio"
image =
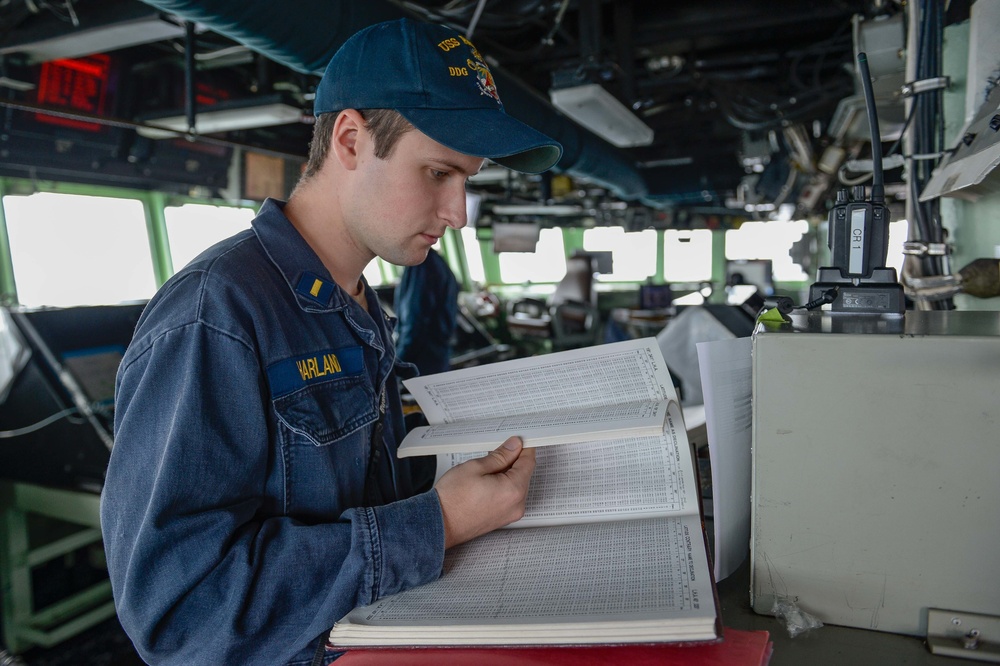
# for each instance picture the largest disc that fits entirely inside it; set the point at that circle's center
(859, 280)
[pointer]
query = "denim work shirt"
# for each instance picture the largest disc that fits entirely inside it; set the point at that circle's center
(233, 513)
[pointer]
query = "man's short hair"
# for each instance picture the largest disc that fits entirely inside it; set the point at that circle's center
(386, 126)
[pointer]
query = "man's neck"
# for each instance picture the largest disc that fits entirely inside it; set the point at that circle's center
(316, 215)
(360, 298)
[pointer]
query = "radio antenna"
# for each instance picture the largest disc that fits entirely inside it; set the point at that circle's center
(878, 180)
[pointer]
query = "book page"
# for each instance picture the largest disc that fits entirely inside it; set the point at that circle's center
(632, 477)
(539, 429)
(726, 378)
(622, 372)
(599, 578)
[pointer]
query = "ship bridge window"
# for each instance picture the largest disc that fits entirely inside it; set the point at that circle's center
(473, 255)
(70, 249)
(633, 254)
(373, 272)
(769, 240)
(546, 264)
(192, 228)
(899, 232)
(687, 255)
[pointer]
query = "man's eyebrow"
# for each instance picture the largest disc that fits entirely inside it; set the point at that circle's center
(455, 167)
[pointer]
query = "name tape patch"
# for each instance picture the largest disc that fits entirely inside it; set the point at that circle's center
(294, 373)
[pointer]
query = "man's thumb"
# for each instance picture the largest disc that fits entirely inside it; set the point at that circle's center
(505, 454)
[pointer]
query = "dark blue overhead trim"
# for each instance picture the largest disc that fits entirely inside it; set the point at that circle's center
(304, 35)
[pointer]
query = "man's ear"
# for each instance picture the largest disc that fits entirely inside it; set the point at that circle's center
(349, 137)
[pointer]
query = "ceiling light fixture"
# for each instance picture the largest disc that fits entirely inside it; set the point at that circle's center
(599, 111)
(537, 209)
(130, 31)
(224, 117)
(491, 175)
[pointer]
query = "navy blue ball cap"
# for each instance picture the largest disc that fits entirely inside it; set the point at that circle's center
(436, 79)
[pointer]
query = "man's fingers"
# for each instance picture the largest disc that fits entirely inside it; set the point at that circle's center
(483, 494)
(502, 457)
(524, 465)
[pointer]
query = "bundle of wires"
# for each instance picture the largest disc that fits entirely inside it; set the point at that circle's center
(927, 138)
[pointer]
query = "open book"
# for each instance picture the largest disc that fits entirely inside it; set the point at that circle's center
(601, 392)
(611, 550)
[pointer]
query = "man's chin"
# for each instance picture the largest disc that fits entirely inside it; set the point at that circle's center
(409, 259)
(419, 257)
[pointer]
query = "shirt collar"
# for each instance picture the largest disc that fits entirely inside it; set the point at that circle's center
(304, 273)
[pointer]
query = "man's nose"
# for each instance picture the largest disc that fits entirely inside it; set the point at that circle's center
(454, 211)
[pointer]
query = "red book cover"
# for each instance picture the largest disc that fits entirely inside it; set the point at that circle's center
(738, 648)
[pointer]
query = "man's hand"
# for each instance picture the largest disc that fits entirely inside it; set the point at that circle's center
(481, 495)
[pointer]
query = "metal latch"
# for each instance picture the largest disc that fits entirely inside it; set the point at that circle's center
(926, 85)
(960, 634)
(923, 248)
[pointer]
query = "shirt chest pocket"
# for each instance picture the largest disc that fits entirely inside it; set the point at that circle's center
(328, 411)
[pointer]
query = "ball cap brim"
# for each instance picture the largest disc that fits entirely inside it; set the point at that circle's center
(488, 133)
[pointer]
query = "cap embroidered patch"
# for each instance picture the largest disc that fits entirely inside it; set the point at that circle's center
(484, 77)
(474, 66)
(291, 374)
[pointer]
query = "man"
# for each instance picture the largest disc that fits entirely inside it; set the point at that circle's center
(426, 304)
(253, 495)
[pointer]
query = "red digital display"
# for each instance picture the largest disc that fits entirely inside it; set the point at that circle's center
(207, 95)
(79, 85)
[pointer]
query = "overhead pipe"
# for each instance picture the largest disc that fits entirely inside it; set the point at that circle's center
(306, 40)
(190, 98)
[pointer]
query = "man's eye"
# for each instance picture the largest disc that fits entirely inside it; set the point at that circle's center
(438, 174)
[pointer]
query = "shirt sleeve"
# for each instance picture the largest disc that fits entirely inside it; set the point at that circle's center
(203, 571)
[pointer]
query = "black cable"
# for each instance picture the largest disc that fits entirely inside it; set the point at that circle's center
(739, 109)
(922, 112)
(928, 137)
(902, 133)
(828, 296)
(784, 304)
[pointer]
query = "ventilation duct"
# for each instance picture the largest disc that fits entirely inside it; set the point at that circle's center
(306, 34)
